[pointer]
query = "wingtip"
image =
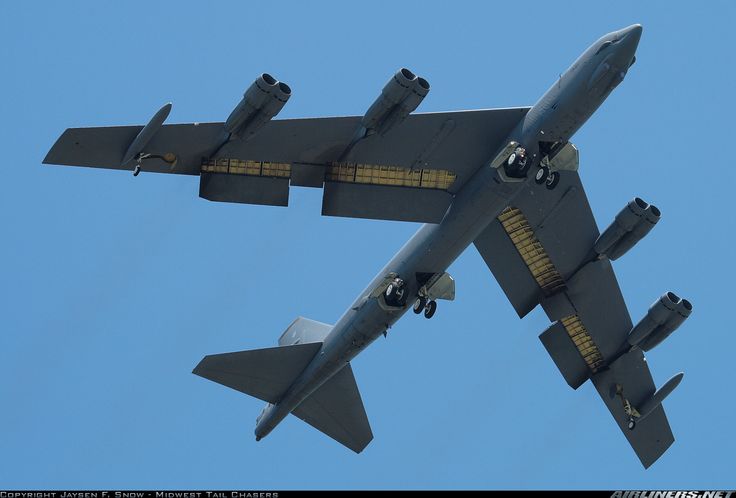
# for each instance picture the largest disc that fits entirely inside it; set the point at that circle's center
(198, 370)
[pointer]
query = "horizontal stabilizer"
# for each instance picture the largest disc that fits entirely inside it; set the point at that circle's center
(263, 373)
(336, 409)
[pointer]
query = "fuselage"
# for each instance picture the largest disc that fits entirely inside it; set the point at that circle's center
(551, 122)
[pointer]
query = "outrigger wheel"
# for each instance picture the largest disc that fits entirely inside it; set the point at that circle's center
(631, 424)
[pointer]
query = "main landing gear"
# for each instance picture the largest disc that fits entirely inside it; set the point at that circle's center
(395, 293)
(517, 165)
(422, 304)
(550, 179)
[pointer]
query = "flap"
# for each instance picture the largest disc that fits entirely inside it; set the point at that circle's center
(380, 202)
(565, 354)
(539, 241)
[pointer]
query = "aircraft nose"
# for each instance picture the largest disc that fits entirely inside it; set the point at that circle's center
(632, 34)
(628, 42)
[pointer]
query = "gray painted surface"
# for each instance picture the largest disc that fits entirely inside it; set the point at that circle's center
(465, 142)
(381, 202)
(565, 355)
(245, 189)
(652, 435)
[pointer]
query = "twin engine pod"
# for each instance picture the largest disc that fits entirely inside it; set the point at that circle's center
(400, 96)
(664, 316)
(631, 224)
(263, 100)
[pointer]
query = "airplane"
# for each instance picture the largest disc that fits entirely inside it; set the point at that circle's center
(504, 180)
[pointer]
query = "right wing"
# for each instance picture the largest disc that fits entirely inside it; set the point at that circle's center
(540, 249)
(409, 174)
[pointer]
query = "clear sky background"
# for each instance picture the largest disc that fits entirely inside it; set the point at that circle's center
(112, 288)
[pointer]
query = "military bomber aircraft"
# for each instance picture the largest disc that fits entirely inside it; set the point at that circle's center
(504, 180)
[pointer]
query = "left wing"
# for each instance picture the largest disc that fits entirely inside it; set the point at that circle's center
(541, 251)
(409, 174)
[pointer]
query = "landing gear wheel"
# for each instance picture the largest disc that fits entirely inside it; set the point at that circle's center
(430, 309)
(419, 305)
(517, 164)
(523, 167)
(394, 293)
(541, 175)
(137, 170)
(552, 180)
(631, 424)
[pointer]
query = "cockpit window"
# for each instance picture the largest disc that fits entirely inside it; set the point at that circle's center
(604, 46)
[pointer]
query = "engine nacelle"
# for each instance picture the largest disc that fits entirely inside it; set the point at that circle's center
(263, 100)
(400, 96)
(631, 224)
(664, 316)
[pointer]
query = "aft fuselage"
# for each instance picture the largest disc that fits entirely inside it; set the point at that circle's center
(552, 121)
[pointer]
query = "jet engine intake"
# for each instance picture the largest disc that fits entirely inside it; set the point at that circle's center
(400, 96)
(663, 317)
(263, 100)
(631, 224)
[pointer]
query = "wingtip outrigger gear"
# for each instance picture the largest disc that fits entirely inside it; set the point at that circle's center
(144, 137)
(629, 409)
(169, 157)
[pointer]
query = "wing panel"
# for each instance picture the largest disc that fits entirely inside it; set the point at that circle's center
(565, 354)
(385, 202)
(409, 174)
(459, 141)
(512, 274)
(223, 187)
(653, 435)
(595, 294)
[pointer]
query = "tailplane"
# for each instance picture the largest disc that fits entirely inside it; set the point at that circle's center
(262, 373)
(335, 408)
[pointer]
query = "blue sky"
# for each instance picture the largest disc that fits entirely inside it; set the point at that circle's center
(113, 288)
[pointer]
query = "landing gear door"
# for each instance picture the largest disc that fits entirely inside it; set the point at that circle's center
(441, 287)
(567, 159)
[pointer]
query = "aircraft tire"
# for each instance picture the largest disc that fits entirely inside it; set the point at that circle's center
(541, 175)
(419, 305)
(552, 180)
(430, 309)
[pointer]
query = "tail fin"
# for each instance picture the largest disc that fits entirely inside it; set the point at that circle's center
(336, 409)
(263, 373)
